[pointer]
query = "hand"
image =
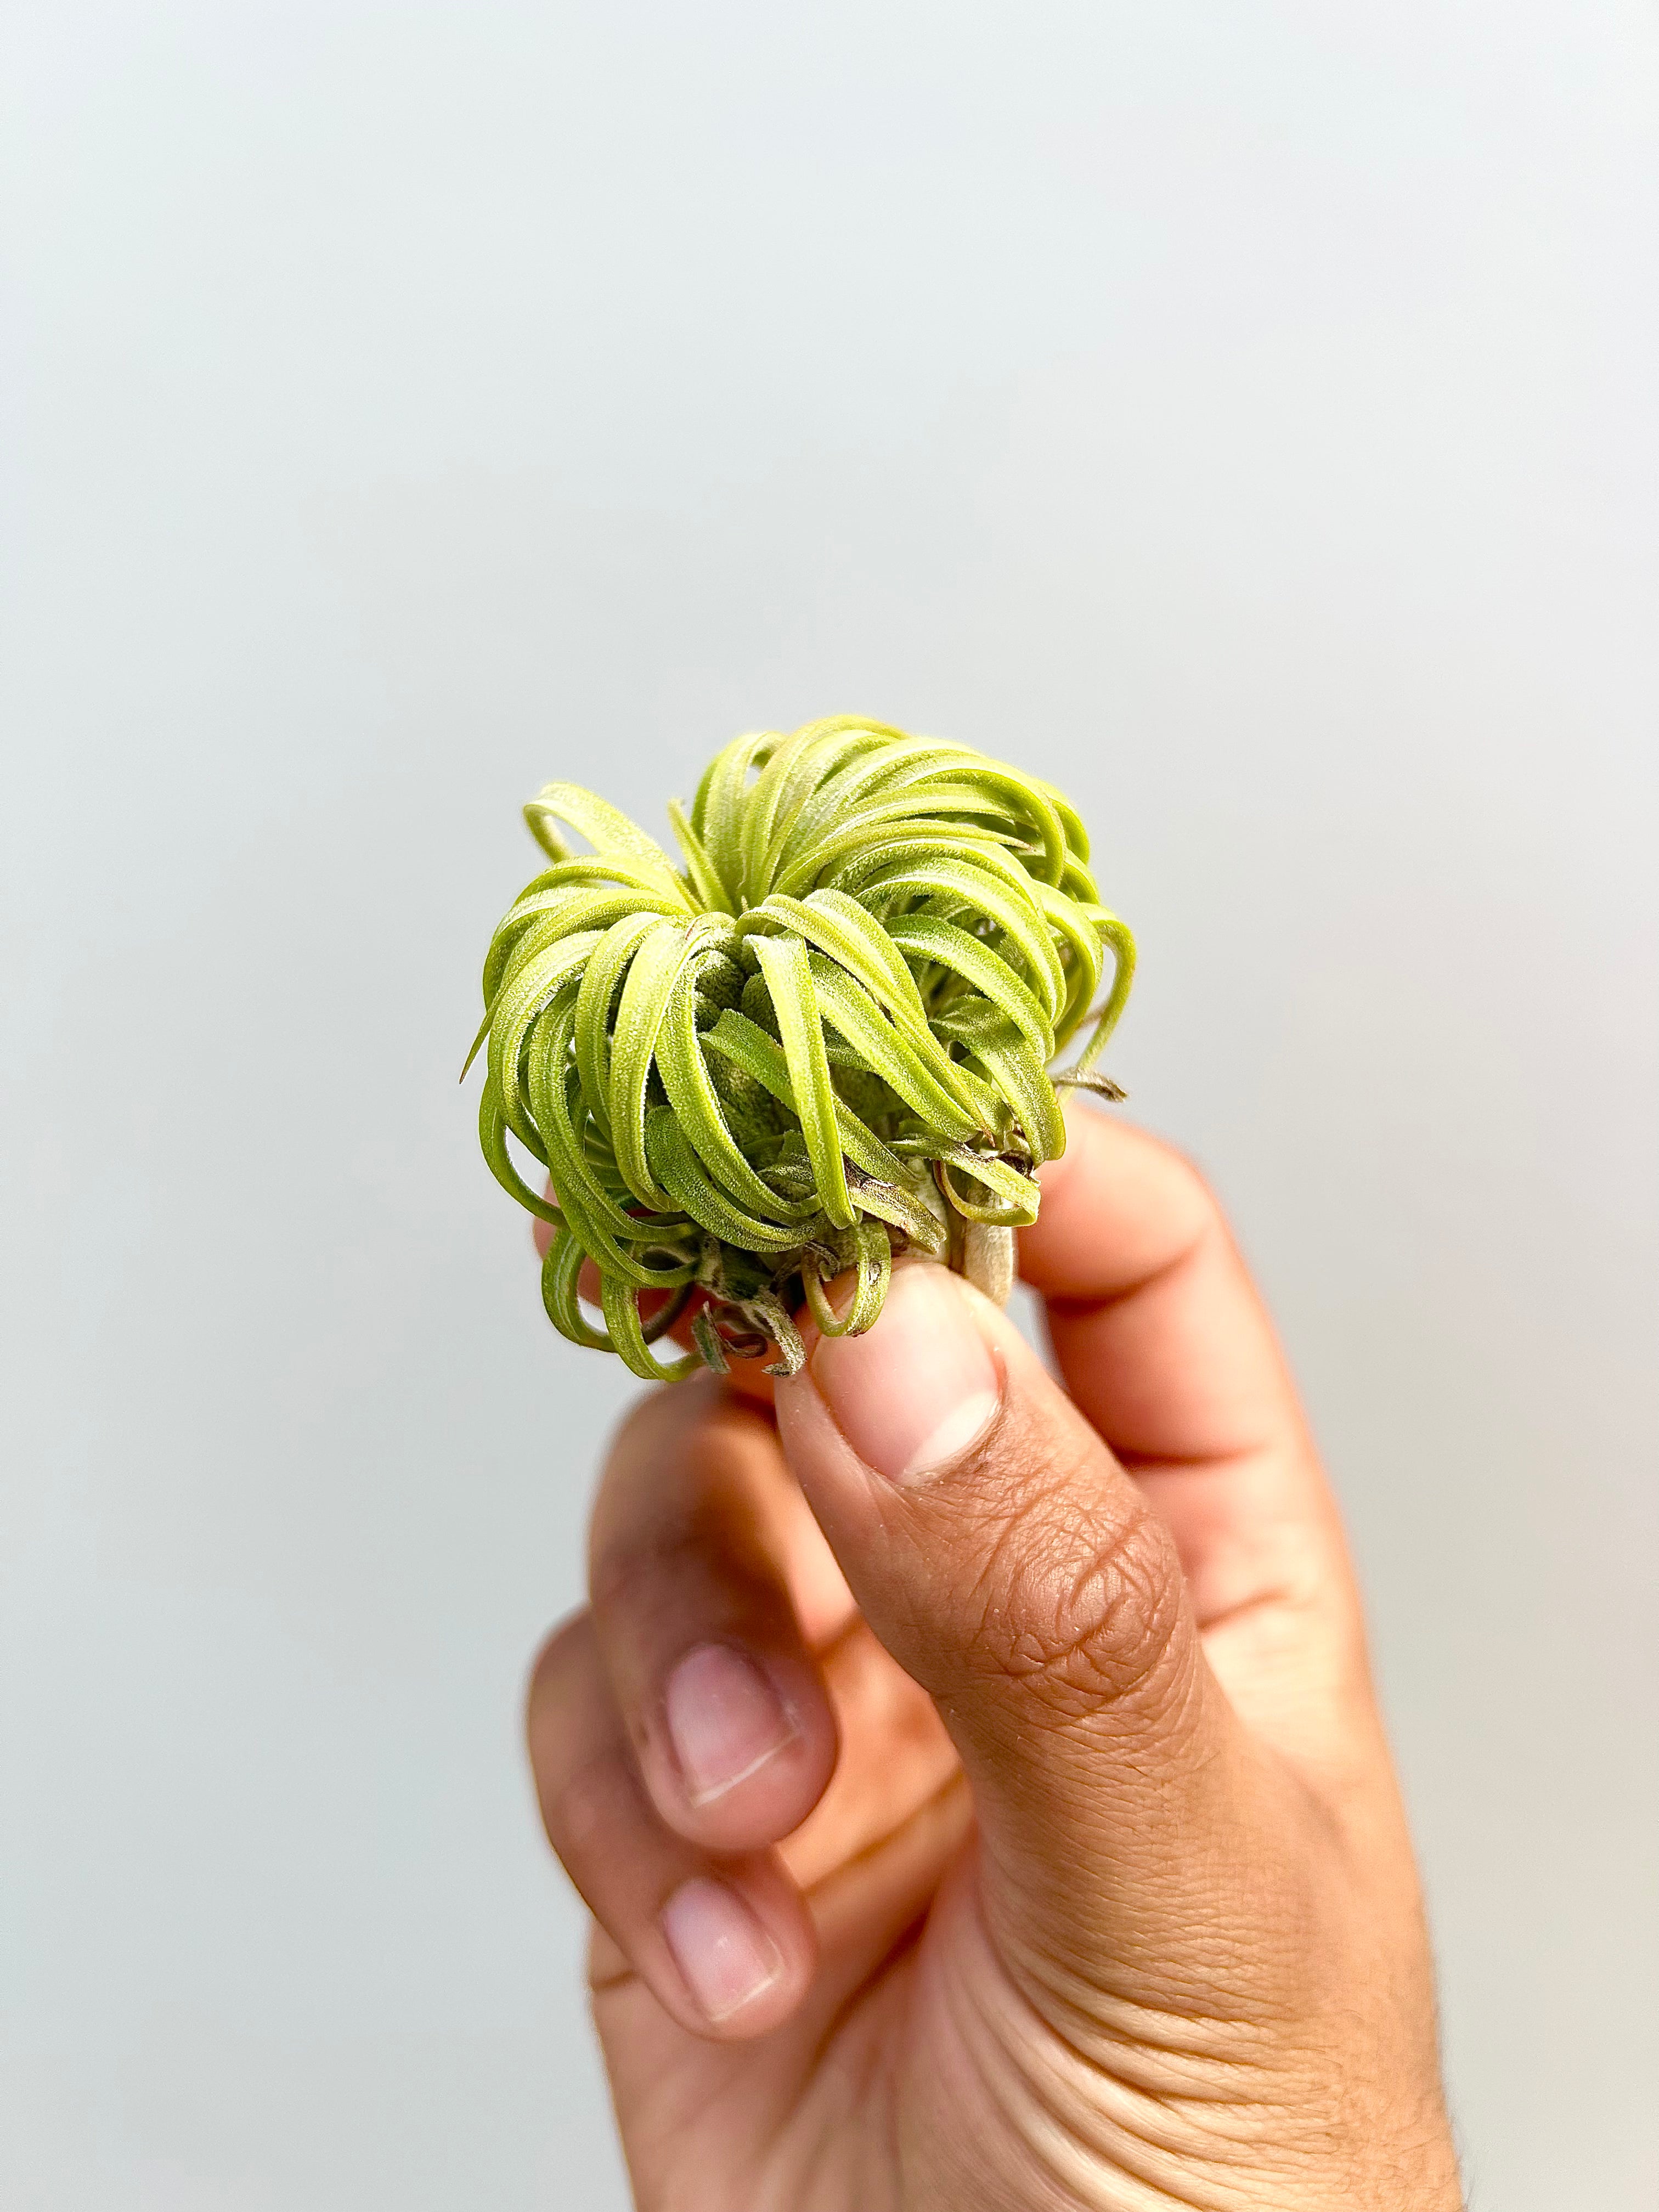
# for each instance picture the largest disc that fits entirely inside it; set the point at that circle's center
(1032, 1841)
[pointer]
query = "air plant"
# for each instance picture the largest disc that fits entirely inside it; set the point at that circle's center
(825, 1040)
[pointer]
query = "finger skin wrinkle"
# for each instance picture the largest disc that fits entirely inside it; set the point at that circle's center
(1186, 1369)
(1150, 2119)
(1262, 1934)
(1088, 1637)
(601, 1980)
(1247, 1608)
(1077, 1593)
(1049, 2128)
(1253, 1531)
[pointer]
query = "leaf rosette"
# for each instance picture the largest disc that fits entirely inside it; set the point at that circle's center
(825, 1039)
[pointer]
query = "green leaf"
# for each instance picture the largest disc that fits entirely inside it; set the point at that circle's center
(628, 1337)
(1118, 936)
(945, 944)
(749, 1047)
(672, 1159)
(788, 978)
(601, 980)
(685, 1078)
(912, 1074)
(605, 828)
(705, 878)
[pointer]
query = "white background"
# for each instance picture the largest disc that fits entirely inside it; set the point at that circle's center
(1244, 416)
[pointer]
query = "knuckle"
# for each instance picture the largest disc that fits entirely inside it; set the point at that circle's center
(1193, 1181)
(634, 1572)
(621, 1568)
(593, 1803)
(630, 1551)
(1079, 1597)
(1192, 1198)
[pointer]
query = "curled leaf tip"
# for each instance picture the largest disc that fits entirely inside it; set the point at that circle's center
(1102, 1087)
(826, 1038)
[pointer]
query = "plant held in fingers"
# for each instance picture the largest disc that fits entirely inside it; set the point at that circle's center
(825, 1039)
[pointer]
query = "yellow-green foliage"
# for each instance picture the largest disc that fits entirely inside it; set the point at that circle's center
(765, 1067)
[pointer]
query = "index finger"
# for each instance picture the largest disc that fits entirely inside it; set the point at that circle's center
(1160, 1333)
(1164, 1343)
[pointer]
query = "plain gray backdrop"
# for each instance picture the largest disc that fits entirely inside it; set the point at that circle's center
(1244, 415)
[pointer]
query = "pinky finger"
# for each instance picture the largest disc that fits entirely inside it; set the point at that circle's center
(726, 1945)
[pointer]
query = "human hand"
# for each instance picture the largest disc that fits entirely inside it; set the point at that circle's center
(1032, 1843)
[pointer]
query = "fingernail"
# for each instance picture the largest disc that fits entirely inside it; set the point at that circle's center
(726, 1956)
(915, 1391)
(724, 1720)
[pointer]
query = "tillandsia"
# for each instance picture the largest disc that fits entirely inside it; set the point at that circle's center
(823, 1041)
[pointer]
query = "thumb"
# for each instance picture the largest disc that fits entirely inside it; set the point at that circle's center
(1016, 1571)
